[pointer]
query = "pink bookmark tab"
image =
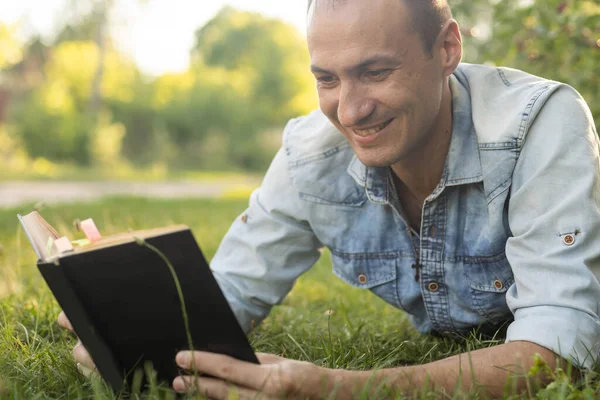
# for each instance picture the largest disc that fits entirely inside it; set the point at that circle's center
(63, 245)
(89, 228)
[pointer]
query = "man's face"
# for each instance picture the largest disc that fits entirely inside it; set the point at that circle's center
(376, 82)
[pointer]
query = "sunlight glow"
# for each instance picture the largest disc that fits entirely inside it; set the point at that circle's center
(156, 34)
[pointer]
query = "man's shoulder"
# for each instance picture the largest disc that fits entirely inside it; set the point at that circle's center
(504, 101)
(311, 138)
(498, 75)
(511, 107)
(318, 157)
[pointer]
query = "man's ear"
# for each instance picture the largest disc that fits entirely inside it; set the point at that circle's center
(450, 45)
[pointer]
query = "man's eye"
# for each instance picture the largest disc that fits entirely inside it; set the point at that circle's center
(378, 74)
(326, 80)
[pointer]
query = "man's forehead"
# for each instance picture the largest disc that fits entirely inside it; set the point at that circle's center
(337, 5)
(331, 4)
(385, 14)
(318, 7)
(357, 23)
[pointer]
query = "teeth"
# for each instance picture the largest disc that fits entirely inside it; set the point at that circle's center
(372, 131)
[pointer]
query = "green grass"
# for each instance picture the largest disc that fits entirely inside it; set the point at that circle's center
(323, 320)
(75, 173)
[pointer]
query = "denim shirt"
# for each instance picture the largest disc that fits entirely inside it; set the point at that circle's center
(509, 236)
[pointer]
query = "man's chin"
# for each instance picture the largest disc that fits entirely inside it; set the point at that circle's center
(374, 161)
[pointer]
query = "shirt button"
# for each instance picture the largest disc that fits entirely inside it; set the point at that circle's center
(433, 231)
(362, 279)
(244, 218)
(498, 285)
(433, 287)
(569, 240)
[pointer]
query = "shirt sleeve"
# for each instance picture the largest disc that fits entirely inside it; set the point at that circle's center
(554, 216)
(266, 248)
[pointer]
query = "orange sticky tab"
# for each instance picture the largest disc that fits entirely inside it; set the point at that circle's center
(63, 245)
(89, 228)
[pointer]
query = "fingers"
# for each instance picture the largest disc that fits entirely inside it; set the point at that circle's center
(265, 358)
(64, 321)
(82, 357)
(85, 371)
(85, 364)
(211, 388)
(215, 389)
(223, 367)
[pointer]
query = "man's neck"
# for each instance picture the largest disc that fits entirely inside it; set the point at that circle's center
(421, 172)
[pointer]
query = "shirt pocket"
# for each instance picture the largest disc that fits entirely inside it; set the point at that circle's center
(320, 179)
(489, 279)
(367, 271)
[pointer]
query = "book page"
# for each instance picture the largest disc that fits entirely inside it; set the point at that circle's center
(39, 232)
(120, 238)
(43, 236)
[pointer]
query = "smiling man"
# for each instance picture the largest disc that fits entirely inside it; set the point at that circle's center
(465, 195)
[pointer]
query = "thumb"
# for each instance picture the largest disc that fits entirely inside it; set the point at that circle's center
(64, 321)
(265, 358)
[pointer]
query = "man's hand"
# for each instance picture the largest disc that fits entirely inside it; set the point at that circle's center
(85, 364)
(275, 378)
(278, 377)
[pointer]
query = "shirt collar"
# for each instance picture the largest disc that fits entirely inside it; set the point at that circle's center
(463, 165)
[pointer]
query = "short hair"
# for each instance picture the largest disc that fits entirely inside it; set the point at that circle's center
(428, 18)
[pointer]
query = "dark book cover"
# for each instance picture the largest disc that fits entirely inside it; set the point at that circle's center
(123, 304)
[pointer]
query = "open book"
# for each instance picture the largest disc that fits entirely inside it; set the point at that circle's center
(43, 237)
(124, 302)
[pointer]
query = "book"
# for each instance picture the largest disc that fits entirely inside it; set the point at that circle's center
(123, 302)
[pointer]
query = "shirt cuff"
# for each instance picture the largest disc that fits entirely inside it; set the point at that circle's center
(248, 315)
(570, 333)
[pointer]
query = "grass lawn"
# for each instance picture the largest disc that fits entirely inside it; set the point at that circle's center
(323, 320)
(58, 172)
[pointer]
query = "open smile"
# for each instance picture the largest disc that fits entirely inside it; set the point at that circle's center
(373, 130)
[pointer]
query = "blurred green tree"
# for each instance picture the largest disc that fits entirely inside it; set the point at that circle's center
(52, 119)
(210, 117)
(556, 39)
(11, 50)
(248, 76)
(271, 55)
(474, 18)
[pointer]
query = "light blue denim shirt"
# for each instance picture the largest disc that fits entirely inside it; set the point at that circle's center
(511, 231)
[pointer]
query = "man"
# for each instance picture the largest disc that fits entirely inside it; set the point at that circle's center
(465, 195)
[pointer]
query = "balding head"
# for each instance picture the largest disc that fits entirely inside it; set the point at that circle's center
(427, 16)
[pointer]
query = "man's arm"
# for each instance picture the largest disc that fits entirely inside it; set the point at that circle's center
(268, 247)
(490, 370)
(554, 216)
(493, 370)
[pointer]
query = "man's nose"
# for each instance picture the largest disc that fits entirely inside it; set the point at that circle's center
(353, 106)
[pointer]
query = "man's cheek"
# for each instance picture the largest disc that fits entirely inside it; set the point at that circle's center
(326, 105)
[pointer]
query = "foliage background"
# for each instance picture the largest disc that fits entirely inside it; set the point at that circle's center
(77, 102)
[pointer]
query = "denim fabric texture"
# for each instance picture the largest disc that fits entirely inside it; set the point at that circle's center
(510, 236)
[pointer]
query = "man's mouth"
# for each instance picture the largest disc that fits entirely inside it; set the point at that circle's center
(373, 130)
